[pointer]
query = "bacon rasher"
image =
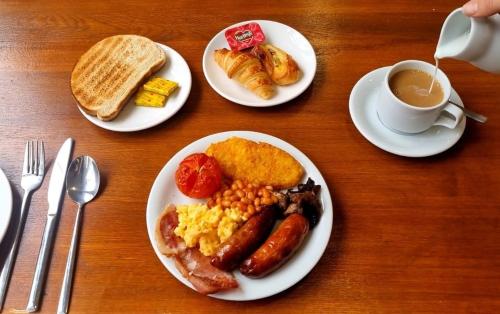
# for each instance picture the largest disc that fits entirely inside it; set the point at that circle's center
(193, 265)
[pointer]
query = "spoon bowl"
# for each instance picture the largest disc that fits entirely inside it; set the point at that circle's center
(82, 180)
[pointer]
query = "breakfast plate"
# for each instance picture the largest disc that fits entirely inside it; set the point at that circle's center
(280, 35)
(433, 141)
(164, 191)
(6, 204)
(135, 118)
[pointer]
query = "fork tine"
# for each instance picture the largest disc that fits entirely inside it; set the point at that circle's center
(32, 158)
(35, 160)
(26, 158)
(41, 161)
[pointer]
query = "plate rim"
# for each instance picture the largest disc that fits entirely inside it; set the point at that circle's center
(382, 145)
(4, 183)
(107, 126)
(256, 104)
(326, 199)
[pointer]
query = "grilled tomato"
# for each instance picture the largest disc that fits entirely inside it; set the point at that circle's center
(198, 176)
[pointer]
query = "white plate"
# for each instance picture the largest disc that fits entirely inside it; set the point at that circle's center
(164, 191)
(277, 34)
(5, 204)
(433, 141)
(135, 118)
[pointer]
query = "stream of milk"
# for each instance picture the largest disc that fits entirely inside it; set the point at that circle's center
(448, 49)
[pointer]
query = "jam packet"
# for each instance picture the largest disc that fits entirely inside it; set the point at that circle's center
(245, 36)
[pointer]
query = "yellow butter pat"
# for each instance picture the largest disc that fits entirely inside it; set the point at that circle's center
(160, 86)
(149, 99)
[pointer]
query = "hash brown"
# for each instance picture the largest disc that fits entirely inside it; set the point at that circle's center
(258, 163)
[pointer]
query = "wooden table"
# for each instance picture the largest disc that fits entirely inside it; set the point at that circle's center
(409, 235)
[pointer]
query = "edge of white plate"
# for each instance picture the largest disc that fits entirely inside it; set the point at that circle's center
(108, 126)
(5, 181)
(257, 103)
(326, 198)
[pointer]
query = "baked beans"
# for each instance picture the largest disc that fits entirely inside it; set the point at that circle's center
(247, 197)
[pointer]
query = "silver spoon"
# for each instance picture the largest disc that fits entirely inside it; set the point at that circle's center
(471, 114)
(82, 185)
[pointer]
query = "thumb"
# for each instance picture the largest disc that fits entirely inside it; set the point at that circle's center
(481, 8)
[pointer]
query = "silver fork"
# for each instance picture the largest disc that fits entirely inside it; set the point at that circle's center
(32, 177)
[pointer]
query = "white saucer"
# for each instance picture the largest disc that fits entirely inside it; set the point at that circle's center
(435, 140)
(135, 118)
(5, 204)
(280, 35)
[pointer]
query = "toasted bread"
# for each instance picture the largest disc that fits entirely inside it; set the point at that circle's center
(106, 76)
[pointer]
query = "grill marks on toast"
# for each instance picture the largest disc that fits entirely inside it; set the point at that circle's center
(118, 78)
(109, 72)
(96, 78)
(117, 81)
(96, 57)
(87, 70)
(107, 75)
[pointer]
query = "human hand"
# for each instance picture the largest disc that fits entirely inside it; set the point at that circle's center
(481, 8)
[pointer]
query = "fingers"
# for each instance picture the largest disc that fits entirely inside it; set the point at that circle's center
(481, 8)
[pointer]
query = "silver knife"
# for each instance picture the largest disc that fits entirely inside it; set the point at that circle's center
(56, 196)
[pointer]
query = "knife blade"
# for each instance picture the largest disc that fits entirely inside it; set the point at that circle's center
(58, 176)
(55, 198)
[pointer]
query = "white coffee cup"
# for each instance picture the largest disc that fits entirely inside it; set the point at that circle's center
(402, 117)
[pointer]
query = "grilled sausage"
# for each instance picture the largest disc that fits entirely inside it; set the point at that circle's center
(278, 248)
(245, 240)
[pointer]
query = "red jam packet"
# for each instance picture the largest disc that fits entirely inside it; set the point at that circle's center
(245, 36)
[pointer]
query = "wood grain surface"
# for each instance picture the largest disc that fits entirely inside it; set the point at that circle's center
(409, 235)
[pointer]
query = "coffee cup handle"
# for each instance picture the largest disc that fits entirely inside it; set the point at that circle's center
(450, 116)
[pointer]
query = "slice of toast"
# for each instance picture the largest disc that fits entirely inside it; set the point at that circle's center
(106, 76)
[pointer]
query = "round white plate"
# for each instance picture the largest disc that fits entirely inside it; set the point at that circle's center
(433, 141)
(164, 191)
(277, 34)
(5, 204)
(135, 118)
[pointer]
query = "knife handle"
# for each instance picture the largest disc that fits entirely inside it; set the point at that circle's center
(41, 264)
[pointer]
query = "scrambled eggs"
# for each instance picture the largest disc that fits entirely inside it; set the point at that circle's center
(207, 227)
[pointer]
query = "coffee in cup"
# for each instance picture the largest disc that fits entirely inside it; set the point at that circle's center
(412, 87)
(405, 105)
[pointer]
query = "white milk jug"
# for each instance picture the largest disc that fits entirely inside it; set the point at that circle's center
(476, 40)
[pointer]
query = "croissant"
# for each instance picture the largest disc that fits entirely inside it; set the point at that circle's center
(247, 70)
(280, 66)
